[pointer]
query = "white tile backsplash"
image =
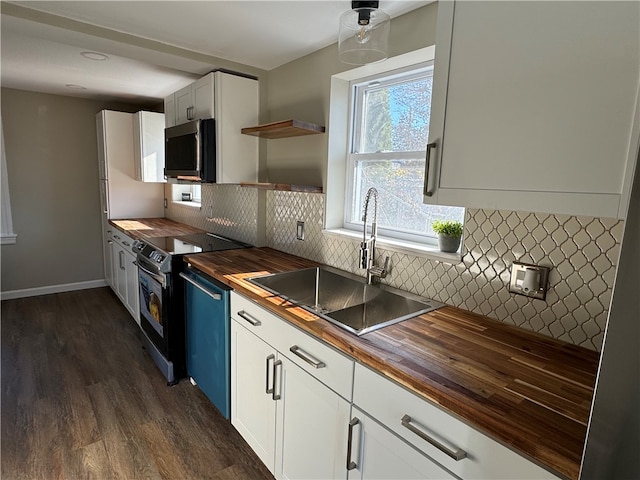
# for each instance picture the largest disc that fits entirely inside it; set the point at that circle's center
(581, 251)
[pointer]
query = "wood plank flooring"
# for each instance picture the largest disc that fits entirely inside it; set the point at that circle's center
(82, 399)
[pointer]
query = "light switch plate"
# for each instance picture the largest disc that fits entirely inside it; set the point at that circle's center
(529, 280)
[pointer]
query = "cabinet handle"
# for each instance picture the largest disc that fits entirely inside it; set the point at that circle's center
(351, 465)
(306, 357)
(190, 113)
(117, 237)
(427, 164)
(458, 454)
(269, 391)
(274, 395)
(121, 258)
(126, 244)
(110, 242)
(215, 296)
(253, 321)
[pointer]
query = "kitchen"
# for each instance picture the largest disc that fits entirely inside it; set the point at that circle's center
(292, 90)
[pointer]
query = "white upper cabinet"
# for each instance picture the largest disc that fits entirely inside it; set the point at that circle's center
(148, 148)
(233, 101)
(535, 106)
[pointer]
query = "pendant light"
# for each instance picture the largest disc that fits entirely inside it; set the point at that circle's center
(364, 34)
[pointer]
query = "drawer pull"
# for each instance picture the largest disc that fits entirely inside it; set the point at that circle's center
(458, 454)
(269, 391)
(253, 321)
(351, 465)
(306, 357)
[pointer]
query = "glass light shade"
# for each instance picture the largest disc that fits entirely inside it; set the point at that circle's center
(362, 44)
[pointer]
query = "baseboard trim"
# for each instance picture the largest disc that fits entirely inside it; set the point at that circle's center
(65, 287)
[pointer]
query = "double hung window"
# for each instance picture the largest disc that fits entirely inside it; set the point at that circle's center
(389, 134)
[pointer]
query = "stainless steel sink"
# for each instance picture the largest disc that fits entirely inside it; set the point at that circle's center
(344, 299)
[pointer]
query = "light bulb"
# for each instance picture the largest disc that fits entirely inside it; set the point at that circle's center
(362, 36)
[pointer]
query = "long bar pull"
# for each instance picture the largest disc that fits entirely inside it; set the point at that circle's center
(215, 296)
(269, 391)
(274, 395)
(457, 454)
(426, 190)
(306, 357)
(245, 316)
(351, 465)
(121, 258)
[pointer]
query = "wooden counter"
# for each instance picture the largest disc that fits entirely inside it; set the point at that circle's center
(152, 227)
(525, 390)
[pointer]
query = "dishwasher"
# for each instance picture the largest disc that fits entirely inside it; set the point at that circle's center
(208, 337)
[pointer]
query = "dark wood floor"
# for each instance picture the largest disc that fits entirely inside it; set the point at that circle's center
(81, 399)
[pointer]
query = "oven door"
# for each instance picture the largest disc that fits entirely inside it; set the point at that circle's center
(153, 292)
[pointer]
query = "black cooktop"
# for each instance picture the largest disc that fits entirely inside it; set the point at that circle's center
(194, 243)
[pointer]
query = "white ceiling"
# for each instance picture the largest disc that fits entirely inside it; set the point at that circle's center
(156, 47)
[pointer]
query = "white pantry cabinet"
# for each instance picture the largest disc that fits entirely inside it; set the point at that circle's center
(294, 422)
(232, 100)
(148, 149)
(535, 106)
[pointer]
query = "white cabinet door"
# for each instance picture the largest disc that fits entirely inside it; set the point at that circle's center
(253, 411)
(148, 139)
(131, 275)
(539, 102)
(170, 111)
(378, 454)
(184, 105)
(120, 273)
(107, 249)
(203, 97)
(311, 428)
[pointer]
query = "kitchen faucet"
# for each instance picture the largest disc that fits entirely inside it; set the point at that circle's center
(368, 247)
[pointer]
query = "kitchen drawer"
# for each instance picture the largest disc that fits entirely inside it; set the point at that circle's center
(320, 360)
(123, 239)
(485, 458)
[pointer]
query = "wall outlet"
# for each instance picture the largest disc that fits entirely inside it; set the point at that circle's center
(529, 280)
(300, 230)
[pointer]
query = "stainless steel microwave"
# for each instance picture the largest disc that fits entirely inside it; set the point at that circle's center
(190, 151)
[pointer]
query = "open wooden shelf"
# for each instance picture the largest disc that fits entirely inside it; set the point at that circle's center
(283, 129)
(285, 187)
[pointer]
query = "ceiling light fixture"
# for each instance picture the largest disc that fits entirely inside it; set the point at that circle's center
(95, 56)
(364, 34)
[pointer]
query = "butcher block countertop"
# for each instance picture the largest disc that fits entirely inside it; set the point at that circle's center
(527, 391)
(152, 227)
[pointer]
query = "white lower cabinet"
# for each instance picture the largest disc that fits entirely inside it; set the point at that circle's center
(291, 398)
(124, 272)
(378, 454)
(295, 423)
(451, 443)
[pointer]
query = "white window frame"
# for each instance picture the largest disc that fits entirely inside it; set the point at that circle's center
(338, 131)
(401, 75)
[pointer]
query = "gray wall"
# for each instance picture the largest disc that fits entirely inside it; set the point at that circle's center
(52, 167)
(301, 89)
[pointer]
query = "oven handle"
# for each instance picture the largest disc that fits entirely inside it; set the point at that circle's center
(215, 296)
(159, 278)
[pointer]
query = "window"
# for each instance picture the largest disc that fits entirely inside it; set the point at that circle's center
(195, 189)
(389, 134)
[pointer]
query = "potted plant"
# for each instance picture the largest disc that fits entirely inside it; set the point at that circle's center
(449, 234)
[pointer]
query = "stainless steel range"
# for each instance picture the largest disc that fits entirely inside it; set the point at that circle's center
(161, 294)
